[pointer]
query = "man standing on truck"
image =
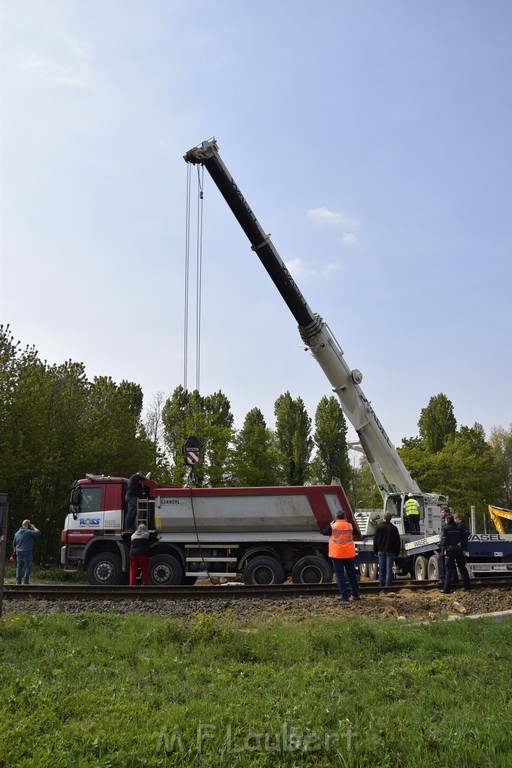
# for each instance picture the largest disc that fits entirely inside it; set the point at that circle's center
(343, 553)
(22, 544)
(412, 510)
(135, 489)
(386, 545)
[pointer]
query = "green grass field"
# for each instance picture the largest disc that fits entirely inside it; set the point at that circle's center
(107, 690)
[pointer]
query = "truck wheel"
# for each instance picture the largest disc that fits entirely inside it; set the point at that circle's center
(311, 569)
(363, 570)
(421, 568)
(105, 569)
(165, 570)
(373, 571)
(263, 571)
(433, 568)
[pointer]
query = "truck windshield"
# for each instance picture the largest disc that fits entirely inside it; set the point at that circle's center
(91, 500)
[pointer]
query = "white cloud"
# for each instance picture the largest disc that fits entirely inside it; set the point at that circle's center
(297, 269)
(334, 266)
(321, 216)
(71, 67)
(350, 239)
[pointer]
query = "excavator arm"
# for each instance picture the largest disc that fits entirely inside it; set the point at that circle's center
(497, 514)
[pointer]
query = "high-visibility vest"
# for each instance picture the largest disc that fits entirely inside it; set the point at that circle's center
(411, 507)
(341, 543)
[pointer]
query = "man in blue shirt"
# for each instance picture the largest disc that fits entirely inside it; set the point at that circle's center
(22, 543)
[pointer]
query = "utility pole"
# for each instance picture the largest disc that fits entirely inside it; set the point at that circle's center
(4, 508)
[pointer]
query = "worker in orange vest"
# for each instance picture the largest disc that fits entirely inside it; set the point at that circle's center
(343, 554)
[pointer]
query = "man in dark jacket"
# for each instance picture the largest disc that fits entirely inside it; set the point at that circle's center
(441, 558)
(386, 545)
(453, 542)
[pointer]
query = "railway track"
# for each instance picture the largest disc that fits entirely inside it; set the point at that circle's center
(88, 592)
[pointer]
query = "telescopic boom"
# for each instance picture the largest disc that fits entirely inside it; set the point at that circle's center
(387, 468)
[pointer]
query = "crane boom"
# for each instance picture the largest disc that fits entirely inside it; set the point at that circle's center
(387, 468)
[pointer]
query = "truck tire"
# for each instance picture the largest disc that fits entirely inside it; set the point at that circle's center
(165, 570)
(263, 571)
(373, 571)
(311, 569)
(105, 569)
(433, 568)
(421, 568)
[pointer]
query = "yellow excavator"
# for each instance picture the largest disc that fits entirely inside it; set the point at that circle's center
(497, 514)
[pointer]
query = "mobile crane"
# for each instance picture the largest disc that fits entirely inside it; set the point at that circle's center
(391, 476)
(488, 553)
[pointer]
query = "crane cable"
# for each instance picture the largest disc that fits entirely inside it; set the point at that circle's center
(199, 270)
(198, 276)
(198, 297)
(187, 279)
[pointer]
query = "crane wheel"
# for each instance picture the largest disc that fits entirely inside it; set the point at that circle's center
(421, 568)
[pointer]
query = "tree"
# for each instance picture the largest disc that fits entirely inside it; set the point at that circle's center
(362, 490)
(331, 459)
(255, 458)
(154, 430)
(115, 442)
(219, 436)
(210, 420)
(464, 469)
(437, 422)
(501, 447)
(293, 430)
(41, 443)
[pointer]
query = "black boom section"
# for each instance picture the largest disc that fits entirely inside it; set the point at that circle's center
(208, 156)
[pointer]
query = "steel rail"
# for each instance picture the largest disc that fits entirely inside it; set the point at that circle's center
(96, 592)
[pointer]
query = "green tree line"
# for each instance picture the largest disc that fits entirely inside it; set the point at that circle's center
(56, 425)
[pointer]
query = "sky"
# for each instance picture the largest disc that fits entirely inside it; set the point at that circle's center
(371, 139)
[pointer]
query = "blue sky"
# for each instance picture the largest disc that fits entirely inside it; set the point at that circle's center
(371, 138)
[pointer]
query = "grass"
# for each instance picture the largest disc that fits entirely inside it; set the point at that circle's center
(41, 575)
(110, 691)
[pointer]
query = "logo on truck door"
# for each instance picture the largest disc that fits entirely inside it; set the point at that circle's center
(89, 521)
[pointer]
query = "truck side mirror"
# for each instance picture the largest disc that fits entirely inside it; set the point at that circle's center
(76, 501)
